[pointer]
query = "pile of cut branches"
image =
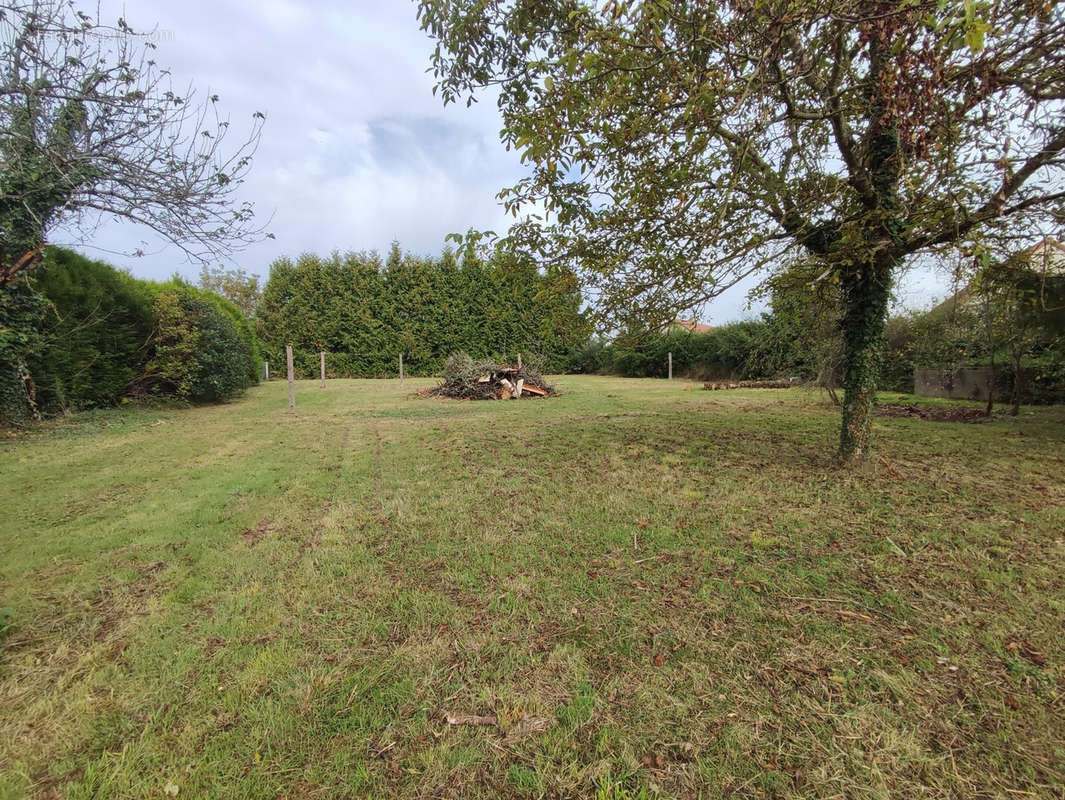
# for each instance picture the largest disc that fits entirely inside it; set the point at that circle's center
(934, 413)
(469, 379)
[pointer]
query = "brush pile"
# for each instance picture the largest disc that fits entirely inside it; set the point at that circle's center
(934, 413)
(469, 379)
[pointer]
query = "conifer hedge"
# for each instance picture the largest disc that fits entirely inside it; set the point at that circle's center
(364, 311)
(96, 331)
(738, 350)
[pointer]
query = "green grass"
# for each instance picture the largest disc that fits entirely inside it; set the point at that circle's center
(659, 592)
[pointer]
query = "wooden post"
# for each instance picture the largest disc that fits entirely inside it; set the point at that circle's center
(266, 370)
(322, 354)
(519, 360)
(291, 377)
(400, 369)
(670, 365)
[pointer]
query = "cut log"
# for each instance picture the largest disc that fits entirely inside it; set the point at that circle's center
(530, 389)
(517, 387)
(505, 393)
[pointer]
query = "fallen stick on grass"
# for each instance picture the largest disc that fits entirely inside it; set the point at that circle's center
(469, 719)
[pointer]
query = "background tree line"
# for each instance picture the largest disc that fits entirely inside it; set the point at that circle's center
(364, 311)
(101, 336)
(1011, 315)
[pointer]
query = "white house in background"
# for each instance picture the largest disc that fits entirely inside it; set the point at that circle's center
(1047, 259)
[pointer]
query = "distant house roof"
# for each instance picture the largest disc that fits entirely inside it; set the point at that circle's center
(691, 326)
(1046, 258)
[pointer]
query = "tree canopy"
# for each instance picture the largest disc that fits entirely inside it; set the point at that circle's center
(234, 284)
(679, 146)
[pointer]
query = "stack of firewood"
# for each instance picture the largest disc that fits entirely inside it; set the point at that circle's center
(512, 384)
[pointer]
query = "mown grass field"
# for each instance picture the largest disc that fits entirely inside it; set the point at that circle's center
(657, 591)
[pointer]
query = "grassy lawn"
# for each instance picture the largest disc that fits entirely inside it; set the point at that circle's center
(657, 591)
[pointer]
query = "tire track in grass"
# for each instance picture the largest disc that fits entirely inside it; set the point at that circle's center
(383, 497)
(373, 496)
(314, 539)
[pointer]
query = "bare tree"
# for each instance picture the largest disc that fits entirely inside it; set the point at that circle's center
(235, 285)
(91, 127)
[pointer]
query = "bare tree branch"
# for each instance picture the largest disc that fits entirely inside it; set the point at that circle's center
(91, 125)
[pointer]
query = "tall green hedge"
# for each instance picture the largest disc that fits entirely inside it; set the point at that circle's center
(741, 350)
(97, 331)
(82, 334)
(364, 312)
(21, 310)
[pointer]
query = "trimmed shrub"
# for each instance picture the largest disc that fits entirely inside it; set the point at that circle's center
(199, 354)
(81, 334)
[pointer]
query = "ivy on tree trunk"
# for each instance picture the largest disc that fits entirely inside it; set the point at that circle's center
(866, 290)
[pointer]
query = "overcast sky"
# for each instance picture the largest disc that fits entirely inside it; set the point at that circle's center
(356, 150)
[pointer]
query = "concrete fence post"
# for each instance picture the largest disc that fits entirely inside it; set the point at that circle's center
(670, 365)
(322, 356)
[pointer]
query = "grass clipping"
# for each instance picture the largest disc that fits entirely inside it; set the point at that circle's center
(468, 379)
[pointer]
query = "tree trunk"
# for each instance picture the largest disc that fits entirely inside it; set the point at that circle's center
(866, 289)
(991, 379)
(990, 320)
(866, 280)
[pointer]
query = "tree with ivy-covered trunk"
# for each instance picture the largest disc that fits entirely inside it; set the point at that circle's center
(678, 147)
(92, 127)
